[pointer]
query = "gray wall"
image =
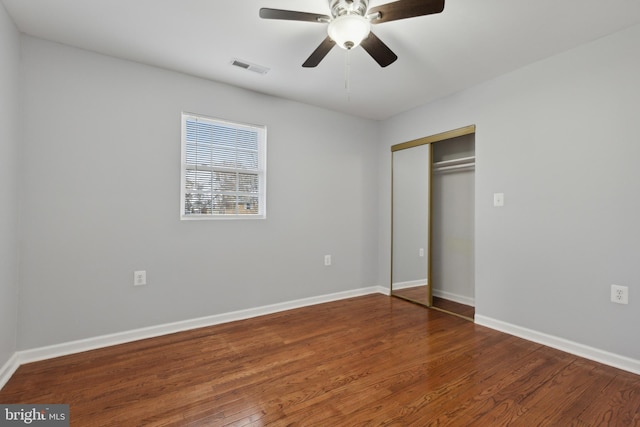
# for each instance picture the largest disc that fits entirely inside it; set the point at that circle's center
(452, 245)
(9, 185)
(560, 139)
(101, 199)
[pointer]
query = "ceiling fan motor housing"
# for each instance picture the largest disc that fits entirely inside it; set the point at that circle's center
(349, 25)
(348, 7)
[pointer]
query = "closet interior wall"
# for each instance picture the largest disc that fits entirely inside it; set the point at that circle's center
(453, 198)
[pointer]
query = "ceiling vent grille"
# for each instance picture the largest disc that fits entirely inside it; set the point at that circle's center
(249, 66)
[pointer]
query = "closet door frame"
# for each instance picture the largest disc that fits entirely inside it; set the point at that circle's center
(467, 130)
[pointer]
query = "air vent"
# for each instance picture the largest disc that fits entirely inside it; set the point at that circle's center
(249, 66)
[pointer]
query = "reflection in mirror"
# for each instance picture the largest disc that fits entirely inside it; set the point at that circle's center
(410, 223)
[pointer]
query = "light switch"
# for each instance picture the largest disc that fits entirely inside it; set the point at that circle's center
(498, 199)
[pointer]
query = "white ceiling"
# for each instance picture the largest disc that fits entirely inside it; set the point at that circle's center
(470, 42)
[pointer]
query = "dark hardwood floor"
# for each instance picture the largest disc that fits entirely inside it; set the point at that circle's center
(420, 295)
(371, 360)
(454, 307)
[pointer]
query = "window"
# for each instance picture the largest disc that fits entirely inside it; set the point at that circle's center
(223, 169)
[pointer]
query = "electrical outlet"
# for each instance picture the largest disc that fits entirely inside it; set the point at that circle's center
(327, 260)
(139, 278)
(619, 294)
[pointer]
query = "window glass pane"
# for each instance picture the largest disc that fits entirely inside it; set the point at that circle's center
(191, 129)
(197, 180)
(247, 140)
(225, 181)
(191, 155)
(248, 160)
(224, 136)
(224, 204)
(247, 205)
(197, 203)
(204, 133)
(224, 157)
(247, 183)
(203, 154)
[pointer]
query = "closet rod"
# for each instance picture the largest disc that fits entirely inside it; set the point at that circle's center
(458, 161)
(454, 167)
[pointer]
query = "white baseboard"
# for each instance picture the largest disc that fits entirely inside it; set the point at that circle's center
(63, 349)
(461, 299)
(410, 284)
(591, 353)
(383, 290)
(8, 369)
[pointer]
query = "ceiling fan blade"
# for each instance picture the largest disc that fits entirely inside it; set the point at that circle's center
(292, 15)
(378, 50)
(320, 52)
(402, 9)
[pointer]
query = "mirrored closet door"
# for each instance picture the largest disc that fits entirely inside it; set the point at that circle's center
(432, 261)
(410, 217)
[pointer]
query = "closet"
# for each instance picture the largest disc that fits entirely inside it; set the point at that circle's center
(433, 198)
(452, 224)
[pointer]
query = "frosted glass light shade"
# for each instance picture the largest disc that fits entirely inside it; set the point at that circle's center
(349, 30)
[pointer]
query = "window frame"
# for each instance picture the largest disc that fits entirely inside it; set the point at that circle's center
(261, 171)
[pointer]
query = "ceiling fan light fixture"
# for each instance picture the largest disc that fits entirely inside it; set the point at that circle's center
(349, 30)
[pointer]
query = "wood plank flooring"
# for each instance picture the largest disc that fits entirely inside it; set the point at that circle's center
(454, 307)
(371, 360)
(419, 294)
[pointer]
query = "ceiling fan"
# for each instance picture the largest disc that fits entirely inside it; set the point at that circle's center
(350, 25)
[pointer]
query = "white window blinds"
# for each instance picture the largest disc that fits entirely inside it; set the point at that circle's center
(223, 169)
